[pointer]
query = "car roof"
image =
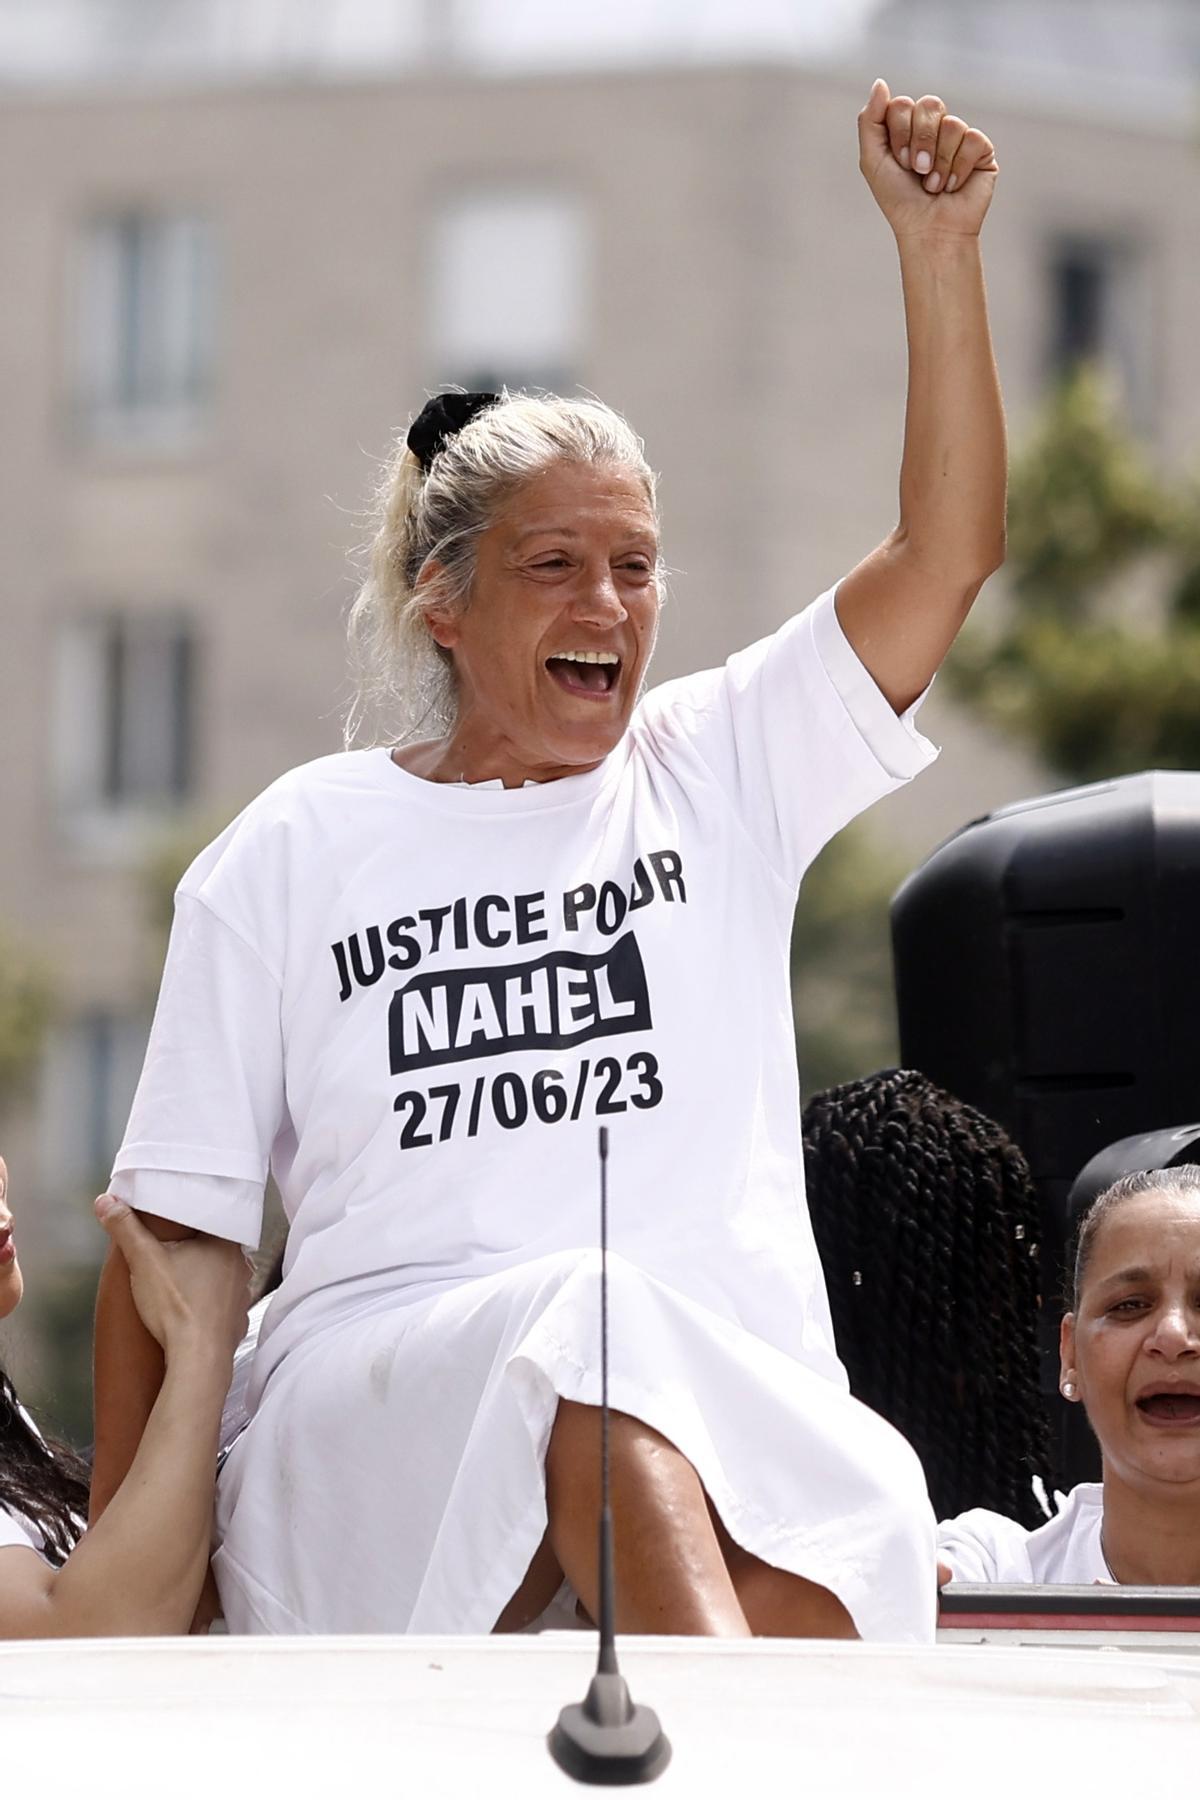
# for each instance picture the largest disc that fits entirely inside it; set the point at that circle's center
(342, 1717)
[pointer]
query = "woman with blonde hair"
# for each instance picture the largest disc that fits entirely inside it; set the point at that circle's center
(414, 979)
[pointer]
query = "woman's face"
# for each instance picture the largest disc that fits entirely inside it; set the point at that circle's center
(1133, 1346)
(566, 573)
(11, 1285)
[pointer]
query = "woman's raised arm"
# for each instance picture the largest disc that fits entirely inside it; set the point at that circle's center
(901, 608)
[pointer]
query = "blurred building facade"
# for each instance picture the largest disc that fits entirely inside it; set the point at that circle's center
(222, 296)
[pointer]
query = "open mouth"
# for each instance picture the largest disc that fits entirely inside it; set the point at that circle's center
(590, 672)
(8, 1249)
(1168, 1408)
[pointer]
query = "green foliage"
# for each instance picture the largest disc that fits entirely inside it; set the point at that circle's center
(1083, 502)
(26, 1001)
(61, 1399)
(1095, 693)
(841, 962)
(1184, 598)
(1095, 703)
(59, 1310)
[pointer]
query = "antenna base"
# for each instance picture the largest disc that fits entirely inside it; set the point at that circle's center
(608, 1741)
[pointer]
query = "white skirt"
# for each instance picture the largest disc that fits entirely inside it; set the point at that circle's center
(391, 1479)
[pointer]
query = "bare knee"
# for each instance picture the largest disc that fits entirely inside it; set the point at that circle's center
(541, 1582)
(779, 1604)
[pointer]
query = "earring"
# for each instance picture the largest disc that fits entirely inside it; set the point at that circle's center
(1068, 1390)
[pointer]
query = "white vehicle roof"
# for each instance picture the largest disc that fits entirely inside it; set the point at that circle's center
(468, 1717)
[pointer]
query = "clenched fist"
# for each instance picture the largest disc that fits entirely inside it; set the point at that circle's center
(930, 172)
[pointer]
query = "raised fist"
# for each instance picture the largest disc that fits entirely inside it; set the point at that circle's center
(929, 171)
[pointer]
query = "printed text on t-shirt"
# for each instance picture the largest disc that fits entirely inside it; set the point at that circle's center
(556, 1001)
(495, 922)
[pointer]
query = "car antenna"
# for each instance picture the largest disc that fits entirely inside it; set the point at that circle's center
(607, 1741)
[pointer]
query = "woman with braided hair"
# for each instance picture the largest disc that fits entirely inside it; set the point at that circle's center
(927, 1225)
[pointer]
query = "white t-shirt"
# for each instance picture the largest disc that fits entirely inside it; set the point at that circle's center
(234, 1413)
(16, 1531)
(1064, 1552)
(418, 1001)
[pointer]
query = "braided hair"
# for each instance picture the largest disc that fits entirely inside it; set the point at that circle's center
(927, 1225)
(45, 1482)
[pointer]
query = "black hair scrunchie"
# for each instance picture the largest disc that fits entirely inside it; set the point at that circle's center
(442, 418)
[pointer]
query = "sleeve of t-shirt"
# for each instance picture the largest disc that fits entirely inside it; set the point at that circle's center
(984, 1546)
(209, 1104)
(797, 733)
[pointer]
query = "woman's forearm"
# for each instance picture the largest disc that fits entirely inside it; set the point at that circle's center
(127, 1376)
(140, 1568)
(127, 1367)
(904, 604)
(953, 473)
(902, 607)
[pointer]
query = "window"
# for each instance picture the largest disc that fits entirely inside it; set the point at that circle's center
(508, 290)
(1097, 310)
(1082, 280)
(124, 712)
(90, 1070)
(145, 307)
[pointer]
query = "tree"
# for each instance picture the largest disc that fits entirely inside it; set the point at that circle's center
(26, 1000)
(1097, 665)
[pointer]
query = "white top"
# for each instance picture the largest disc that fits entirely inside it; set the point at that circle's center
(417, 1002)
(234, 1413)
(16, 1531)
(1064, 1552)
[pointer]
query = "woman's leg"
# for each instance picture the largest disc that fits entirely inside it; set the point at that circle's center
(776, 1603)
(671, 1577)
(542, 1580)
(678, 1572)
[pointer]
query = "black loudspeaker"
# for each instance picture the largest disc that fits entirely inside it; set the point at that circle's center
(1167, 1149)
(1047, 963)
